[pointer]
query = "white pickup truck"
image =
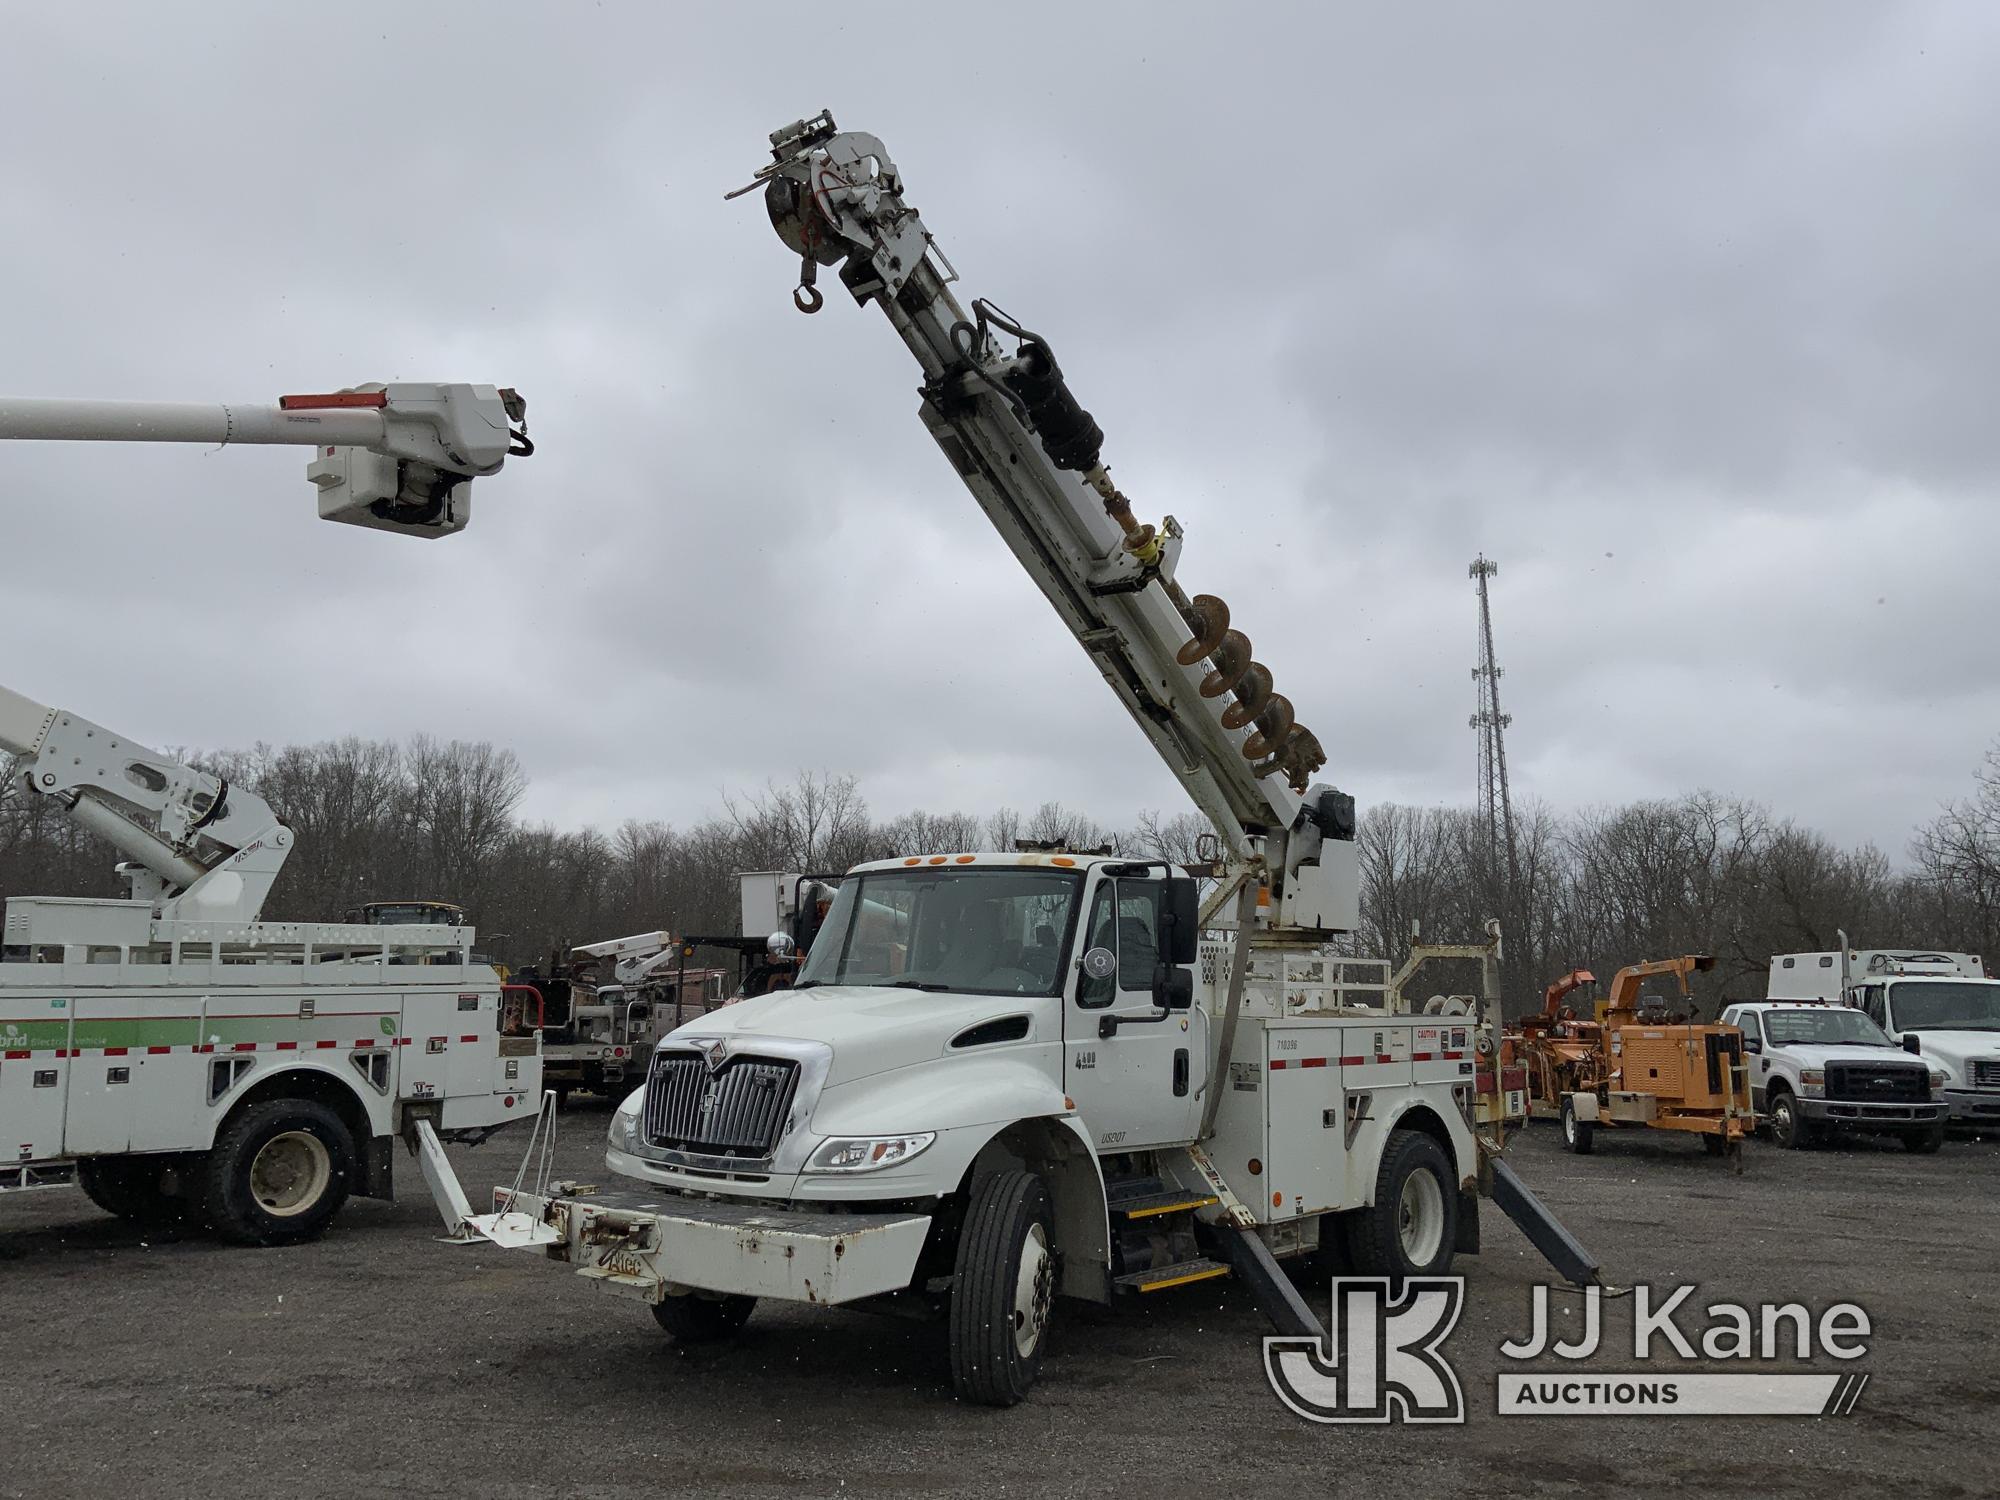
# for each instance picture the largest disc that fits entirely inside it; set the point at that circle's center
(1940, 1006)
(1817, 1068)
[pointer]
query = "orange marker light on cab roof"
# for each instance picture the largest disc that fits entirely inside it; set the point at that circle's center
(1062, 860)
(966, 859)
(937, 859)
(913, 861)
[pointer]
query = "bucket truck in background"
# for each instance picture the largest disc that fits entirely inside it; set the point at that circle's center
(1003, 1078)
(170, 1052)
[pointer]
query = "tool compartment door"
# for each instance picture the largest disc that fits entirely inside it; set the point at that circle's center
(34, 1075)
(135, 1080)
(1306, 1169)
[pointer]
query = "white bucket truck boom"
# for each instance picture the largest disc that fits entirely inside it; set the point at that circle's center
(1001, 1078)
(170, 1052)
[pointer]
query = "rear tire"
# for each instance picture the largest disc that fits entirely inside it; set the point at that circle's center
(1579, 1135)
(1002, 1289)
(1412, 1226)
(130, 1187)
(278, 1173)
(1925, 1142)
(695, 1319)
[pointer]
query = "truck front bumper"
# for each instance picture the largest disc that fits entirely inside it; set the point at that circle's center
(1972, 1108)
(652, 1246)
(1871, 1116)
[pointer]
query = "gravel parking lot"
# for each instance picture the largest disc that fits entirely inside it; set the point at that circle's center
(381, 1360)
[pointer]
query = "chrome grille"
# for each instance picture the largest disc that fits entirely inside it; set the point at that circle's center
(737, 1110)
(1867, 1083)
(1985, 1072)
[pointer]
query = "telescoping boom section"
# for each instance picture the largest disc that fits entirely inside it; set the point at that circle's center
(998, 404)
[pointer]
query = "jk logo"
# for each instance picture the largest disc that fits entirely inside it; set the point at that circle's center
(1380, 1362)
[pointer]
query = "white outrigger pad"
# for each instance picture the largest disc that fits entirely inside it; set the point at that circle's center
(512, 1229)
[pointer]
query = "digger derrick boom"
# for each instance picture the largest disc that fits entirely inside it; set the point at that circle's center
(996, 402)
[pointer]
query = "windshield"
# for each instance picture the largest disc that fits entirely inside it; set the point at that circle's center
(1824, 1025)
(1946, 1007)
(989, 931)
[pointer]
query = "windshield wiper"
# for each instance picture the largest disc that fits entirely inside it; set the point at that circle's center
(809, 984)
(918, 984)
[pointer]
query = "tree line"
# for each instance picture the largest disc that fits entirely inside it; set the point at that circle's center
(1596, 888)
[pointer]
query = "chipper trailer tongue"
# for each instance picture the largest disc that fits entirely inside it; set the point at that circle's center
(170, 1052)
(1001, 1078)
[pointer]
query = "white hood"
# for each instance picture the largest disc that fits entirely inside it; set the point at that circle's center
(1953, 1049)
(870, 1030)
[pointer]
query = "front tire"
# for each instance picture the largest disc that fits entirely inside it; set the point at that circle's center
(1002, 1289)
(1579, 1135)
(1412, 1226)
(278, 1174)
(1925, 1142)
(695, 1319)
(1789, 1128)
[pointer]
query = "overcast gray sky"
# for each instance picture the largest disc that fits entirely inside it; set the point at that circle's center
(1686, 314)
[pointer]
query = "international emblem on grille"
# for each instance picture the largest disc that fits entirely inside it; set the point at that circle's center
(716, 1051)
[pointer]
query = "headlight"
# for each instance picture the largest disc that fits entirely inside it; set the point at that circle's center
(1812, 1082)
(1939, 1078)
(867, 1153)
(625, 1123)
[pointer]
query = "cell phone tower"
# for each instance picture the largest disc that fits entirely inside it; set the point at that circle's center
(1495, 802)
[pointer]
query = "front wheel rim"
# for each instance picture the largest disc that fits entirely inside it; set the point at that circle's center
(1034, 1284)
(290, 1173)
(1420, 1218)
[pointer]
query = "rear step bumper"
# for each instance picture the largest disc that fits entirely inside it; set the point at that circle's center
(651, 1246)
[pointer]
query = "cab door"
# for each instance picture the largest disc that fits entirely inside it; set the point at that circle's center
(1138, 1086)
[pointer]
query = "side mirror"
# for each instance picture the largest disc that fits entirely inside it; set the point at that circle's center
(1173, 986)
(1912, 1045)
(1180, 920)
(1751, 1044)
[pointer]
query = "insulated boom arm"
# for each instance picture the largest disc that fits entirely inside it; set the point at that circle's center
(996, 402)
(395, 457)
(201, 849)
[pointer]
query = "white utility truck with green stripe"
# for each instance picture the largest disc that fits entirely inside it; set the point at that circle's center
(170, 1053)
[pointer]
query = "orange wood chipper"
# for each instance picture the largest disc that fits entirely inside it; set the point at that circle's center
(1629, 1064)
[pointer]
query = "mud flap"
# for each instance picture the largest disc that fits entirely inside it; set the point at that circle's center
(1467, 1242)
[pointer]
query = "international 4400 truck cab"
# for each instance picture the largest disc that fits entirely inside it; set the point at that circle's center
(986, 1090)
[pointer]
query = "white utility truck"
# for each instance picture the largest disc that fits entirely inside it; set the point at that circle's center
(1003, 1078)
(1818, 1068)
(1940, 1006)
(169, 1052)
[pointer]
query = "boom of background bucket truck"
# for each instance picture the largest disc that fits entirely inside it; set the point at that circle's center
(999, 1077)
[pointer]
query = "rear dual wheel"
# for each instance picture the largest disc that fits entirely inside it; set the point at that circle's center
(1412, 1229)
(279, 1173)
